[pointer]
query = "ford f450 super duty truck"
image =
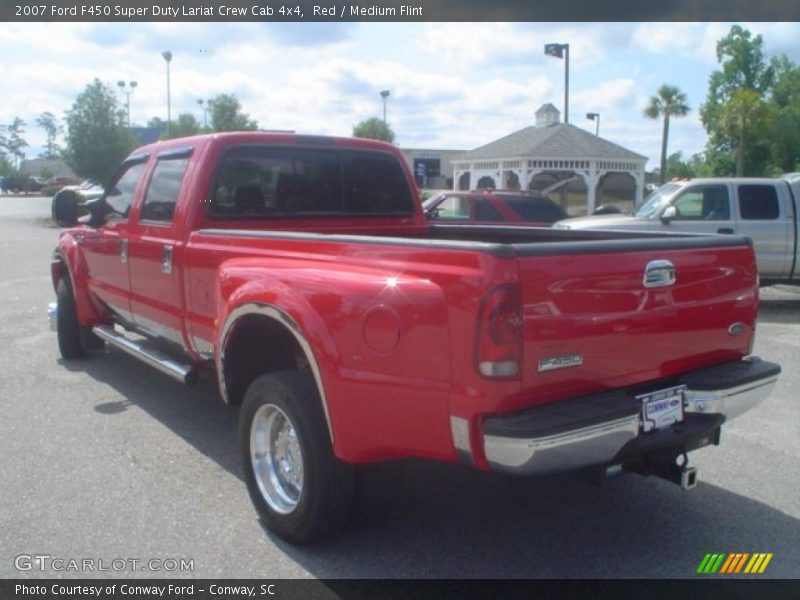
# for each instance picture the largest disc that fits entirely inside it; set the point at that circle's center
(300, 271)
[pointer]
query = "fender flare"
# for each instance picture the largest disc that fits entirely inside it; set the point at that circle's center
(68, 253)
(272, 312)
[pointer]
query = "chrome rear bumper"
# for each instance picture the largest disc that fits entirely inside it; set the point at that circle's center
(558, 437)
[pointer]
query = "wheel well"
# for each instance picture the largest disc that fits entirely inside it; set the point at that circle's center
(59, 271)
(258, 345)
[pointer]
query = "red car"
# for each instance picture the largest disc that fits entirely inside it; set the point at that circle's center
(489, 207)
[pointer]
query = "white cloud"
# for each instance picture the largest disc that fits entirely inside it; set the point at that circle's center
(452, 84)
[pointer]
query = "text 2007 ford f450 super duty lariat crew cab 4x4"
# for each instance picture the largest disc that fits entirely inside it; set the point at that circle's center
(301, 271)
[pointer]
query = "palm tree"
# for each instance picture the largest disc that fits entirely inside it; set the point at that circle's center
(668, 102)
(740, 120)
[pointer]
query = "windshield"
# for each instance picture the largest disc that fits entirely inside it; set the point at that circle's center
(656, 201)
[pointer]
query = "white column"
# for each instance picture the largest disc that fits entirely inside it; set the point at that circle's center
(529, 175)
(591, 179)
(639, 178)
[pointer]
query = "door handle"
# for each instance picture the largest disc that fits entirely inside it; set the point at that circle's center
(123, 251)
(727, 230)
(659, 273)
(166, 260)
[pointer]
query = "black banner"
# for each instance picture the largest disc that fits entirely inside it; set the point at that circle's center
(400, 11)
(311, 589)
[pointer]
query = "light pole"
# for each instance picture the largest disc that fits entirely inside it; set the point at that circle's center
(596, 118)
(561, 51)
(168, 57)
(132, 86)
(385, 96)
(200, 102)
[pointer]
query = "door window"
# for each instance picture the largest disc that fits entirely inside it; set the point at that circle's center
(120, 193)
(704, 203)
(453, 208)
(162, 194)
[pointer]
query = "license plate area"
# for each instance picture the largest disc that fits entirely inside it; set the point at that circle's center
(662, 408)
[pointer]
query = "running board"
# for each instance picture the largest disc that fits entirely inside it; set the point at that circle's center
(158, 360)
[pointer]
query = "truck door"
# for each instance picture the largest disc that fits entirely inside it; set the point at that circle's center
(106, 248)
(763, 219)
(703, 208)
(156, 287)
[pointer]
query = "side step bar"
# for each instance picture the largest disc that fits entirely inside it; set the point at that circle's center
(158, 360)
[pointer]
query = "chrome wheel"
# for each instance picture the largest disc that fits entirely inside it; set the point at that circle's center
(276, 458)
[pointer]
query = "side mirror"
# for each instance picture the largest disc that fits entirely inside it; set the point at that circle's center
(433, 213)
(669, 214)
(65, 208)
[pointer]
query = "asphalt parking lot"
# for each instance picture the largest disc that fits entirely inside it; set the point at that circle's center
(107, 459)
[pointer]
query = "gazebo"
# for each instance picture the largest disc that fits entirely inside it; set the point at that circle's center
(545, 153)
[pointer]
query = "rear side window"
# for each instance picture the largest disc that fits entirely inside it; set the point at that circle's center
(120, 194)
(159, 203)
(758, 202)
(267, 182)
(535, 209)
(485, 211)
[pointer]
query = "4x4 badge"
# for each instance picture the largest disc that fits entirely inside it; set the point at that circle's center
(565, 361)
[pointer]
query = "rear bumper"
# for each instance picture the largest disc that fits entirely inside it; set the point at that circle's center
(603, 428)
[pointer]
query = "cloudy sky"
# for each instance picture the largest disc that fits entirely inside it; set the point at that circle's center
(453, 85)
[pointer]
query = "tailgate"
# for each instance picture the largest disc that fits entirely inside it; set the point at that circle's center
(591, 324)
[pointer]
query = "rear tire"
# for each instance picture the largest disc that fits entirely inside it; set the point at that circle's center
(299, 488)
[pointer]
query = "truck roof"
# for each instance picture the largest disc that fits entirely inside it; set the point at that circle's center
(233, 138)
(731, 179)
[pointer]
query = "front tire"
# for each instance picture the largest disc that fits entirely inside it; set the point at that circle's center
(300, 489)
(67, 326)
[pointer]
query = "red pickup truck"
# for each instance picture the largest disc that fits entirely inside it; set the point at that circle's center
(302, 273)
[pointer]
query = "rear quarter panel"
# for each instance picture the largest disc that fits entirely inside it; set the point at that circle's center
(391, 327)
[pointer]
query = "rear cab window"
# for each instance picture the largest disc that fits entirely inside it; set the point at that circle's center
(278, 182)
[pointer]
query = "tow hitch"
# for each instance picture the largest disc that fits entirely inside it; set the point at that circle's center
(677, 471)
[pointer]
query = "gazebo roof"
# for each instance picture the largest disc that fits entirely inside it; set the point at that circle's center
(560, 140)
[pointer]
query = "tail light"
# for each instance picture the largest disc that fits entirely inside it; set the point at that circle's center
(498, 344)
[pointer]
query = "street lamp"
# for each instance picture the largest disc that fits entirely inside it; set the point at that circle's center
(132, 86)
(200, 102)
(168, 57)
(561, 51)
(385, 96)
(596, 118)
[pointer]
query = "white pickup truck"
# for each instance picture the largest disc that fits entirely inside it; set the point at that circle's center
(764, 210)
